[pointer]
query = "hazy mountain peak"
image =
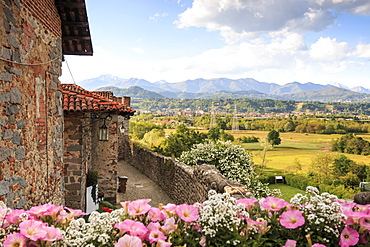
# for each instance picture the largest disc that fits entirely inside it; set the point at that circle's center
(337, 84)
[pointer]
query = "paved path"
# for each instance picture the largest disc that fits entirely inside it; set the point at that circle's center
(140, 186)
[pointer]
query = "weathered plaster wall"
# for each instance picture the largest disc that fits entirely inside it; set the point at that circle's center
(31, 117)
(182, 183)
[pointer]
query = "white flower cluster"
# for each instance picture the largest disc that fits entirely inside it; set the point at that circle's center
(323, 212)
(220, 211)
(232, 161)
(96, 231)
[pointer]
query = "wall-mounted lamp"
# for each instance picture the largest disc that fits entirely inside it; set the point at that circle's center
(104, 130)
(122, 128)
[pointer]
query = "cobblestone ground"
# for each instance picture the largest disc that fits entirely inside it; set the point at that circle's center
(140, 186)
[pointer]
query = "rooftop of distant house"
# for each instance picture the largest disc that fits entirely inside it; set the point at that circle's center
(78, 99)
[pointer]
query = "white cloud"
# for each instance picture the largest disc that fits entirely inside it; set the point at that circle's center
(236, 19)
(327, 49)
(362, 51)
(156, 16)
(138, 50)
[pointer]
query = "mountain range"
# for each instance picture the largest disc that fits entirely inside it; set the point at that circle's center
(227, 88)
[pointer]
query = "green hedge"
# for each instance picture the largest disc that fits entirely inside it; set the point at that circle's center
(302, 182)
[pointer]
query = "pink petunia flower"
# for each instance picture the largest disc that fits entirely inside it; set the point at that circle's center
(318, 245)
(187, 213)
(15, 216)
(290, 243)
(353, 217)
(155, 214)
(52, 234)
(162, 243)
(248, 202)
(15, 240)
(129, 241)
(169, 225)
(169, 210)
(273, 203)
(33, 229)
(155, 235)
(292, 219)
(348, 237)
(132, 227)
(139, 207)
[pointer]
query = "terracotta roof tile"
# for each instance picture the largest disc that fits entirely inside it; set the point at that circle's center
(75, 98)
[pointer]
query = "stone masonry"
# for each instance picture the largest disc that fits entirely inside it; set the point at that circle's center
(31, 118)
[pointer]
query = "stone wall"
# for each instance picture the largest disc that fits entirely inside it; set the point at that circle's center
(182, 183)
(31, 117)
(104, 157)
(74, 169)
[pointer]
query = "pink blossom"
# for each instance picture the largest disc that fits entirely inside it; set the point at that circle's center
(40, 210)
(33, 229)
(348, 206)
(273, 203)
(348, 237)
(318, 245)
(259, 226)
(292, 219)
(162, 243)
(155, 214)
(169, 225)
(139, 207)
(153, 225)
(14, 216)
(73, 213)
(132, 227)
(15, 240)
(169, 209)
(3, 213)
(52, 234)
(290, 243)
(365, 222)
(248, 202)
(187, 213)
(353, 217)
(155, 235)
(129, 241)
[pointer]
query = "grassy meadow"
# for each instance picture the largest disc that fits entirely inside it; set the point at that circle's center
(294, 147)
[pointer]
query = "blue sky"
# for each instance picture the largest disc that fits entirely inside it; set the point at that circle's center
(276, 41)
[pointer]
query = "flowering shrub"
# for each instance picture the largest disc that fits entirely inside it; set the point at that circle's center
(312, 220)
(232, 161)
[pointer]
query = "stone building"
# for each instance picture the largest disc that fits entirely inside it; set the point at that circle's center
(86, 114)
(34, 35)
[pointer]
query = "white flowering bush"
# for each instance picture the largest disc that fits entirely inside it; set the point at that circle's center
(222, 219)
(324, 214)
(232, 161)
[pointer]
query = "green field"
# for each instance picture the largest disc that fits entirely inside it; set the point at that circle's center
(294, 147)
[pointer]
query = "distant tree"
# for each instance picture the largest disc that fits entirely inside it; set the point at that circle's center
(289, 126)
(182, 140)
(225, 136)
(273, 137)
(214, 134)
(321, 168)
(153, 138)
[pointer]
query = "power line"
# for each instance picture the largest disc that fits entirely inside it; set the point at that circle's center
(70, 72)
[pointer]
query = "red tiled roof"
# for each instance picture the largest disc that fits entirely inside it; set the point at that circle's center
(75, 98)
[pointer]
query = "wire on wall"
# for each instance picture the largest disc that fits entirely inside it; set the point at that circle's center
(31, 64)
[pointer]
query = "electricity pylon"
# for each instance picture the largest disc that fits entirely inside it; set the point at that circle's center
(235, 126)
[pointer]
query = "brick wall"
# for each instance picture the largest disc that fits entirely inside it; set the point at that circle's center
(31, 117)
